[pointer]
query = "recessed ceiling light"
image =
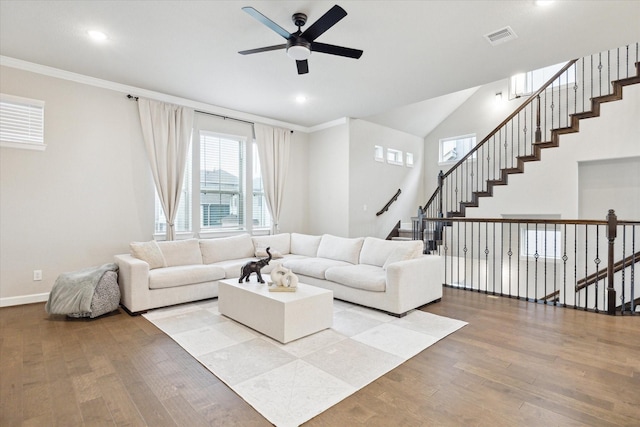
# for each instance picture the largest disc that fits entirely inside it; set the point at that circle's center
(301, 99)
(97, 35)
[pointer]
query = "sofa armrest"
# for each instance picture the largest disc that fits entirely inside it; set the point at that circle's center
(416, 281)
(133, 280)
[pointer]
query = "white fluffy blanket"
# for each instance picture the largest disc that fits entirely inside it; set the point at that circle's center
(73, 292)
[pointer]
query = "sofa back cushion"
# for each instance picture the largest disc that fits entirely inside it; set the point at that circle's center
(340, 248)
(378, 251)
(181, 252)
(304, 244)
(148, 252)
(226, 248)
(277, 242)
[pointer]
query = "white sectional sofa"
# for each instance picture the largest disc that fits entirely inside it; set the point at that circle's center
(393, 276)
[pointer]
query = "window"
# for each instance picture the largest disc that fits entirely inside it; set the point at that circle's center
(394, 157)
(379, 153)
(222, 183)
(409, 160)
(526, 83)
(21, 123)
(538, 241)
(455, 148)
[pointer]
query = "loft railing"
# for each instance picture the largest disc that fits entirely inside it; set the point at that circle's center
(573, 93)
(544, 260)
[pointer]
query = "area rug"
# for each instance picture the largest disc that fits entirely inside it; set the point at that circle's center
(291, 383)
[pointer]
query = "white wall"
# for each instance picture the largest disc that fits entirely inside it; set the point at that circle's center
(82, 200)
(90, 193)
(329, 181)
(372, 183)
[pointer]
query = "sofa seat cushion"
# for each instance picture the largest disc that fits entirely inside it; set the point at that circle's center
(313, 267)
(171, 277)
(233, 267)
(362, 276)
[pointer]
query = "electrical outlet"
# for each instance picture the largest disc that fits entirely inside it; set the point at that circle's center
(37, 275)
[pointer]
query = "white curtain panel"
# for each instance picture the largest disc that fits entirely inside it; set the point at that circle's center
(274, 145)
(166, 130)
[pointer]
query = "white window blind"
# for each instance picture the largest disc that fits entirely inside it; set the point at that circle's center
(21, 122)
(222, 173)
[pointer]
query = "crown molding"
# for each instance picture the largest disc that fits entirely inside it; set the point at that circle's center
(126, 89)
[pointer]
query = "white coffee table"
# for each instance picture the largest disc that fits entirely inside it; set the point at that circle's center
(283, 316)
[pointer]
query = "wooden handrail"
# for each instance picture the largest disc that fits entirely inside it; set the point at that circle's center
(512, 115)
(602, 274)
(386, 207)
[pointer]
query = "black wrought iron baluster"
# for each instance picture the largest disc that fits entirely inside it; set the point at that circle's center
(564, 267)
(609, 85)
(464, 251)
(576, 298)
(592, 82)
(633, 258)
(526, 258)
(624, 268)
(545, 255)
(600, 74)
(566, 74)
(536, 255)
(457, 253)
(518, 249)
(509, 254)
(584, 84)
(586, 263)
(555, 257)
(486, 258)
(552, 107)
(501, 258)
(597, 263)
(575, 89)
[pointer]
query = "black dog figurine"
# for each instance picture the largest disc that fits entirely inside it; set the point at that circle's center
(254, 267)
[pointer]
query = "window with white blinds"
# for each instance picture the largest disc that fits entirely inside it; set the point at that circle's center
(222, 180)
(21, 122)
(222, 172)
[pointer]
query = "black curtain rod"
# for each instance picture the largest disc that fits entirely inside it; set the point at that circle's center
(135, 98)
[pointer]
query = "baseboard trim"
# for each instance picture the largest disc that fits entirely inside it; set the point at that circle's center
(24, 299)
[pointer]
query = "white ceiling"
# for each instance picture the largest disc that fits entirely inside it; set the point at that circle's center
(414, 51)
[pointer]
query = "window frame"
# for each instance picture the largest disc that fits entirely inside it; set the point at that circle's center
(458, 140)
(192, 183)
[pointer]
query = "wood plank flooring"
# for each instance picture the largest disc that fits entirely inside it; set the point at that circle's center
(515, 364)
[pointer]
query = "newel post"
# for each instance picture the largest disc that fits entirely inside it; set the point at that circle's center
(612, 227)
(440, 185)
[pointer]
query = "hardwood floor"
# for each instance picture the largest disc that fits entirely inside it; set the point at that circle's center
(515, 364)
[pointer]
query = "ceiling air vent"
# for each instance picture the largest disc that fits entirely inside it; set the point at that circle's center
(501, 36)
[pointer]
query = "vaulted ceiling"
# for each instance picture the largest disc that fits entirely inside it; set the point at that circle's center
(414, 51)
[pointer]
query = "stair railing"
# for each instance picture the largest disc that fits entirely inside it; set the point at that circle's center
(545, 260)
(572, 93)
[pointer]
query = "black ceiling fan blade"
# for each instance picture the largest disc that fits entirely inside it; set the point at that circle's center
(336, 50)
(303, 66)
(268, 22)
(262, 49)
(326, 21)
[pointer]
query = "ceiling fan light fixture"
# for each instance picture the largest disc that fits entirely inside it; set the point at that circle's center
(298, 52)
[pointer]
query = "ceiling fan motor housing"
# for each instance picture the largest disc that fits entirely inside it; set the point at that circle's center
(299, 19)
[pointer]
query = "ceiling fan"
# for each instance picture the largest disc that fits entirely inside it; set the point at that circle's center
(300, 44)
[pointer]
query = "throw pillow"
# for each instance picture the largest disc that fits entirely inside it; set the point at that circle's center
(148, 252)
(262, 253)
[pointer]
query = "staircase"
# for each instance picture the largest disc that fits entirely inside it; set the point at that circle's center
(574, 93)
(485, 255)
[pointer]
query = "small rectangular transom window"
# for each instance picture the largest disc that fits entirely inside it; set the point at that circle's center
(21, 123)
(394, 157)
